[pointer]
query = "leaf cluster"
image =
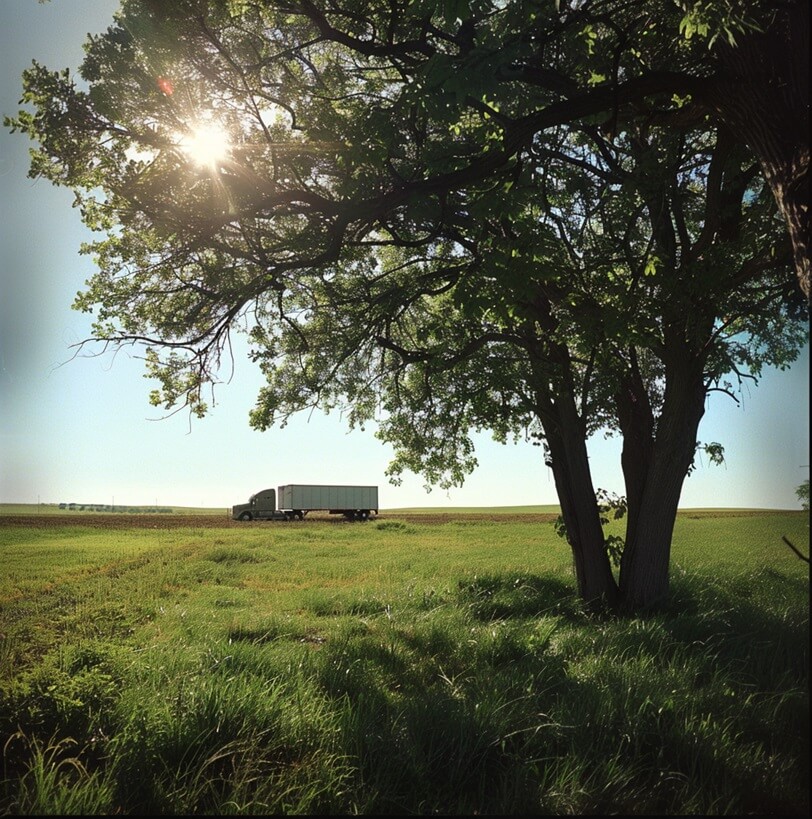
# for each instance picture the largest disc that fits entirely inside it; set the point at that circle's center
(437, 215)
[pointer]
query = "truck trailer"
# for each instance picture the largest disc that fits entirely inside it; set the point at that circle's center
(295, 500)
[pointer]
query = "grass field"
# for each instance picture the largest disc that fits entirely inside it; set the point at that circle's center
(405, 665)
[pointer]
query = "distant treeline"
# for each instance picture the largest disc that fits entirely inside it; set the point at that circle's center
(107, 507)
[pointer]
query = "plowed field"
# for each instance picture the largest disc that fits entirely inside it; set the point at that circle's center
(146, 521)
(116, 521)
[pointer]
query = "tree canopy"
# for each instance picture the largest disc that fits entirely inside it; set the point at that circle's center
(534, 218)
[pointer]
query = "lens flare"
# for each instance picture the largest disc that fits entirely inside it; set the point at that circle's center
(206, 144)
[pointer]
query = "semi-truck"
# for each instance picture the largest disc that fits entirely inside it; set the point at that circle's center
(295, 500)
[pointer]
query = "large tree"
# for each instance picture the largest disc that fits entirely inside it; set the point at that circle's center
(758, 85)
(443, 216)
(618, 298)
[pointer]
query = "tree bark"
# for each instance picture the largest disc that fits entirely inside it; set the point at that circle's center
(657, 482)
(636, 420)
(553, 384)
(761, 93)
(579, 509)
(565, 433)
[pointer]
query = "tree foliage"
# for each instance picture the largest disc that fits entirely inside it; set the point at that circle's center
(524, 217)
(803, 495)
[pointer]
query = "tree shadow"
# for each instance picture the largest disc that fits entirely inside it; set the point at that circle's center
(494, 717)
(509, 596)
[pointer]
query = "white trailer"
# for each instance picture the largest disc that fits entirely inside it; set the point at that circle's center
(296, 500)
(353, 502)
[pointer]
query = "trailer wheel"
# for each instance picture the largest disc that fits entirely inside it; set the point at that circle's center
(245, 516)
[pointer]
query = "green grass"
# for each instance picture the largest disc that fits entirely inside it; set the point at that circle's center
(398, 667)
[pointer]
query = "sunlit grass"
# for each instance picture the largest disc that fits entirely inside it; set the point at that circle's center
(397, 667)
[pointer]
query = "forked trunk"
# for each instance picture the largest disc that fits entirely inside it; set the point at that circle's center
(644, 568)
(655, 471)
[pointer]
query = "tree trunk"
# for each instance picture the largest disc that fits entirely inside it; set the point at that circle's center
(569, 460)
(565, 434)
(762, 93)
(636, 420)
(579, 509)
(657, 481)
(644, 568)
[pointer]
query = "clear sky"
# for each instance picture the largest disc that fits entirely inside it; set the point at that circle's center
(83, 431)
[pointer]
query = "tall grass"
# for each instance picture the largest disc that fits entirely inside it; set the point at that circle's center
(398, 667)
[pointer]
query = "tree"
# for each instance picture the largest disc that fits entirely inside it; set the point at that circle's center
(487, 215)
(758, 85)
(803, 495)
(593, 310)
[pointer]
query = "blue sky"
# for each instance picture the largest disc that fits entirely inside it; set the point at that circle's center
(82, 430)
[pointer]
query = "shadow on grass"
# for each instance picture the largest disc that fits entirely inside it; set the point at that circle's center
(491, 714)
(509, 596)
(745, 621)
(501, 696)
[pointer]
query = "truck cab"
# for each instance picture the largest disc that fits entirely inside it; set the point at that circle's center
(261, 506)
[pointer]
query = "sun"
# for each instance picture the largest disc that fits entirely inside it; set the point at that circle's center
(206, 144)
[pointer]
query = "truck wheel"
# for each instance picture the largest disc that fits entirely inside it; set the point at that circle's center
(245, 516)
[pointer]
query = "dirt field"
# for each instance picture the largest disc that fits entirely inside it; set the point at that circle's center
(147, 521)
(116, 521)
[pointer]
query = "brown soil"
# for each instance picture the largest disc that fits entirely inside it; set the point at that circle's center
(118, 521)
(147, 521)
